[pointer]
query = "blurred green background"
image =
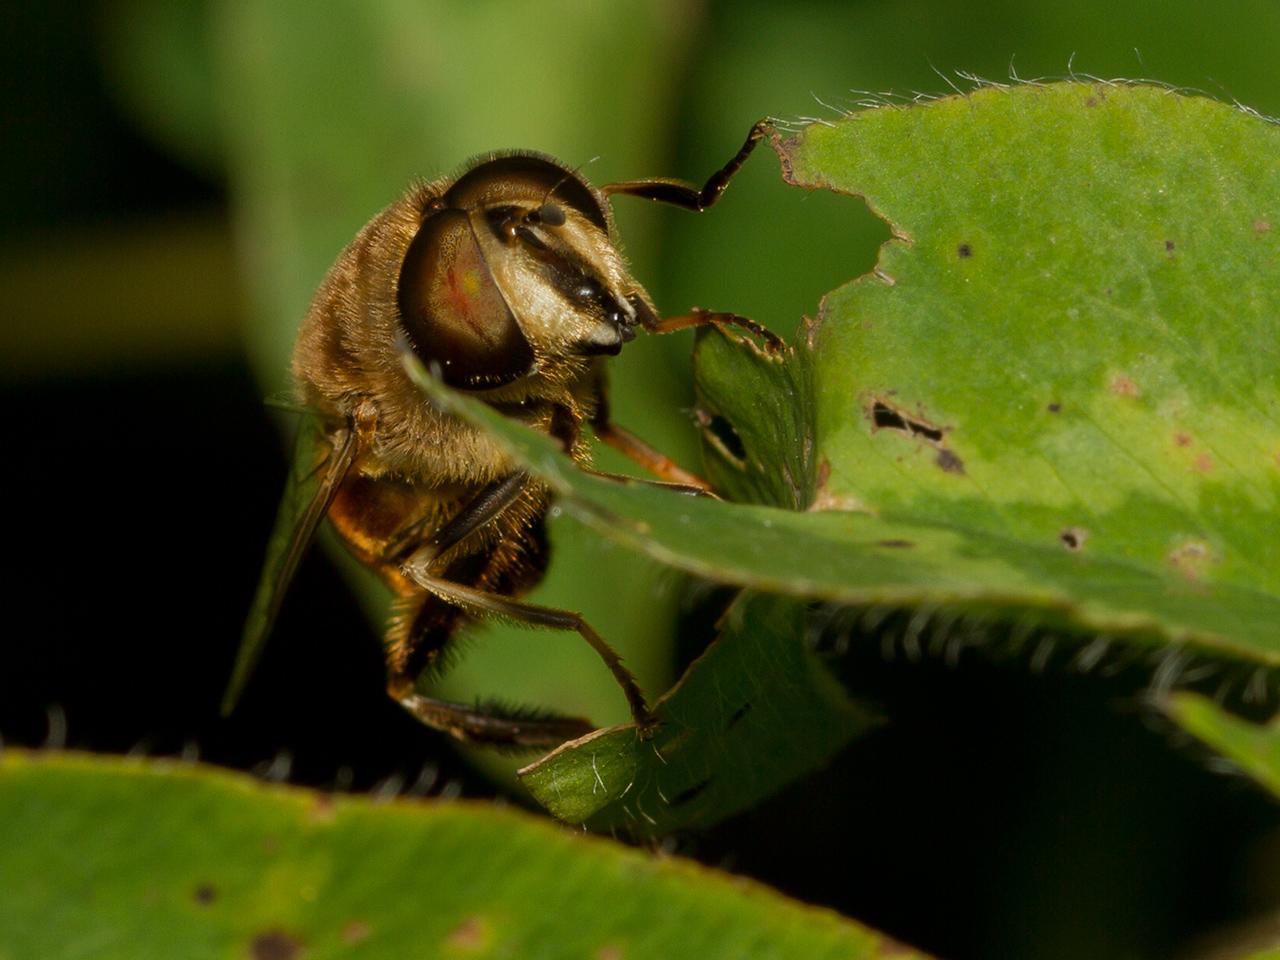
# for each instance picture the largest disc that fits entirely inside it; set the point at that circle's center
(178, 177)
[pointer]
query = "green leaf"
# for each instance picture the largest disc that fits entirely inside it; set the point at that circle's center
(754, 712)
(1252, 747)
(1070, 346)
(110, 858)
(159, 62)
(756, 414)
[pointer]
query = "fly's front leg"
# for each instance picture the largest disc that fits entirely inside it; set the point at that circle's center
(638, 451)
(701, 318)
(690, 197)
(686, 195)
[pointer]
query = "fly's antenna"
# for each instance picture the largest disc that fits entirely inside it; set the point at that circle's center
(549, 213)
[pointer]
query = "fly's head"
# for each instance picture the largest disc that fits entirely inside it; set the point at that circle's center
(513, 274)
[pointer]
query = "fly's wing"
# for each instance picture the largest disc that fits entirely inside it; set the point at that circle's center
(320, 462)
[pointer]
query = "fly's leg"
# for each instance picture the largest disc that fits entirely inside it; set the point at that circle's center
(494, 725)
(686, 195)
(419, 643)
(657, 463)
(701, 318)
(484, 603)
(420, 639)
(691, 197)
(637, 450)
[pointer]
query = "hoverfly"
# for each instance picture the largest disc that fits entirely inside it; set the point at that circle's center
(506, 282)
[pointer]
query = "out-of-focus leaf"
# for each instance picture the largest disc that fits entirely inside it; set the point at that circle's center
(159, 60)
(1252, 747)
(109, 858)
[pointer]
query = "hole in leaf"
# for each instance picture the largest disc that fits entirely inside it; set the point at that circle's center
(684, 796)
(884, 417)
(720, 433)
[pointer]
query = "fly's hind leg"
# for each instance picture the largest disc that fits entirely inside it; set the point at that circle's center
(418, 642)
(482, 603)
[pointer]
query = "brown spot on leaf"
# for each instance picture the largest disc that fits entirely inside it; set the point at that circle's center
(204, 894)
(1122, 386)
(321, 809)
(275, 945)
(1261, 226)
(824, 473)
(1054, 408)
(610, 951)
(784, 147)
(470, 936)
(895, 544)
(1182, 439)
(1191, 559)
(964, 251)
(1073, 538)
(1168, 245)
(1091, 102)
(1203, 464)
(948, 461)
(353, 931)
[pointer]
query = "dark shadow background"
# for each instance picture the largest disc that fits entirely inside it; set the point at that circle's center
(1003, 812)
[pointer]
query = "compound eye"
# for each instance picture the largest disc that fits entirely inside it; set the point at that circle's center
(452, 310)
